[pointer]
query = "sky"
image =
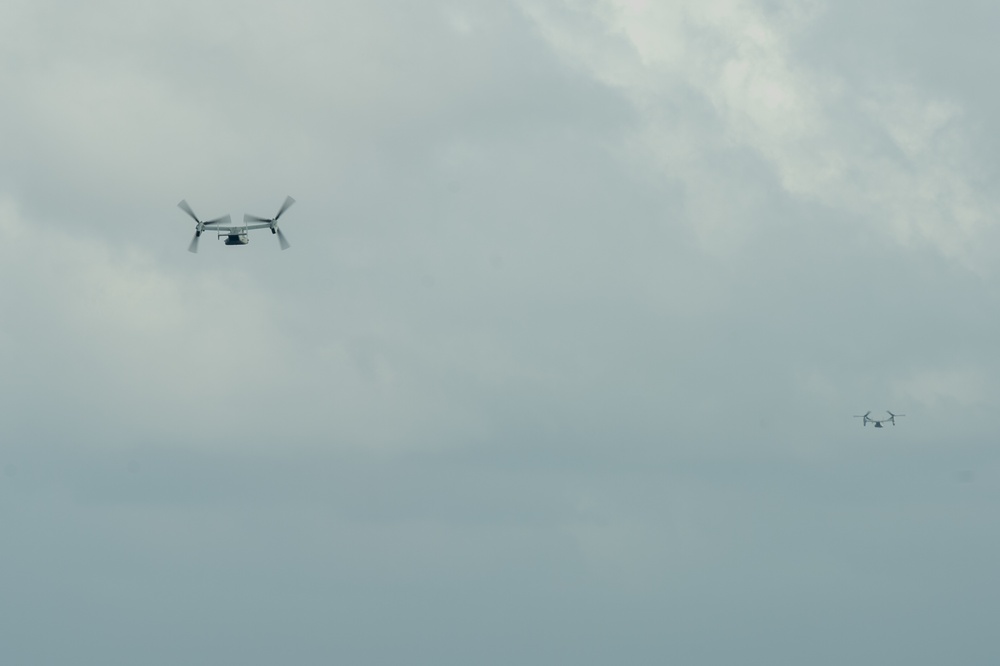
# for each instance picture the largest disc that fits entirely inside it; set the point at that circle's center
(562, 364)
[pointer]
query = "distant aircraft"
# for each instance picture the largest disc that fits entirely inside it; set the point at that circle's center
(878, 423)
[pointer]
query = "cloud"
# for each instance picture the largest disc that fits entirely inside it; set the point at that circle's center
(948, 389)
(896, 157)
(118, 346)
(581, 298)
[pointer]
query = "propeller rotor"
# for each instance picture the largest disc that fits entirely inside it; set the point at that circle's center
(273, 222)
(285, 206)
(200, 224)
(183, 205)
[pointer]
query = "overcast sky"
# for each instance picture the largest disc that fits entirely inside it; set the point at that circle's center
(562, 363)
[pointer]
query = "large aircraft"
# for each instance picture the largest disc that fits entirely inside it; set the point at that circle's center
(238, 235)
(878, 422)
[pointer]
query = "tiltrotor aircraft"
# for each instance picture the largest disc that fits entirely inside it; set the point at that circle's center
(878, 422)
(238, 235)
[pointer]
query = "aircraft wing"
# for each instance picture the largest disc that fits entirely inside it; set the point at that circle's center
(234, 230)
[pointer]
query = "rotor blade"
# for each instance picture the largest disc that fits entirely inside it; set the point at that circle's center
(193, 247)
(254, 218)
(183, 205)
(282, 240)
(219, 220)
(285, 206)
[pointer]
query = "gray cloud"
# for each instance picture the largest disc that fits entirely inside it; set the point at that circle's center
(562, 362)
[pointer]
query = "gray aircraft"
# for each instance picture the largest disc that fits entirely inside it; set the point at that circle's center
(878, 422)
(238, 235)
